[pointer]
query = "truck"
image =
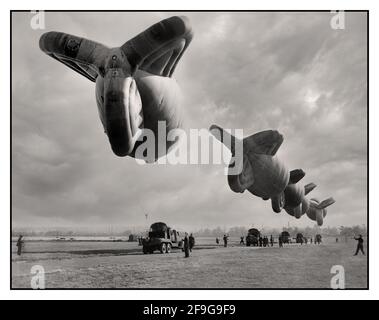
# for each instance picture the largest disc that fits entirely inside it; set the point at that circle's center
(252, 238)
(163, 238)
(286, 237)
(318, 239)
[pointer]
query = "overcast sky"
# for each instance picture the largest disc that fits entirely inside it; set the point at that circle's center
(286, 71)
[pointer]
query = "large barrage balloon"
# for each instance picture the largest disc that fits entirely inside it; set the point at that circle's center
(317, 210)
(134, 84)
(262, 173)
(294, 194)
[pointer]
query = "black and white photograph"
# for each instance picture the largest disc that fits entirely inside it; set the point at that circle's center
(189, 150)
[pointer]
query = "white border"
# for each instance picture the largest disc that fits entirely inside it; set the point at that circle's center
(5, 293)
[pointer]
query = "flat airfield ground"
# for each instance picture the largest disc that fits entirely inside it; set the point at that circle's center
(294, 266)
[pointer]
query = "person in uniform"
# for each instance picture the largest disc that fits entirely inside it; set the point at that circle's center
(186, 245)
(19, 245)
(359, 245)
(225, 240)
(191, 242)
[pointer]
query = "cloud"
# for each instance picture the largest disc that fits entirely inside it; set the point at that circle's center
(284, 71)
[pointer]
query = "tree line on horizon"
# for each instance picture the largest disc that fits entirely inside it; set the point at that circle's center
(237, 231)
(342, 231)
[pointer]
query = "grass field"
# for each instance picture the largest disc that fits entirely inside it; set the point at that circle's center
(121, 265)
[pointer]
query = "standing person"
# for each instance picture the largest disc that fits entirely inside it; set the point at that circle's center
(19, 244)
(191, 242)
(360, 245)
(217, 241)
(260, 241)
(242, 241)
(271, 241)
(186, 245)
(280, 242)
(225, 238)
(311, 240)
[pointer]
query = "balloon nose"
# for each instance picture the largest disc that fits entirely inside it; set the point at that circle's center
(123, 110)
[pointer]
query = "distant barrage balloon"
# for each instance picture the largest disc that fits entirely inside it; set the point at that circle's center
(134, 84)
(262, 173)
(317, 210)
(296, 204)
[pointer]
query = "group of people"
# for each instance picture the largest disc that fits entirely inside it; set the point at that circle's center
(265, 242)
(225, 239)
(189, 243)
